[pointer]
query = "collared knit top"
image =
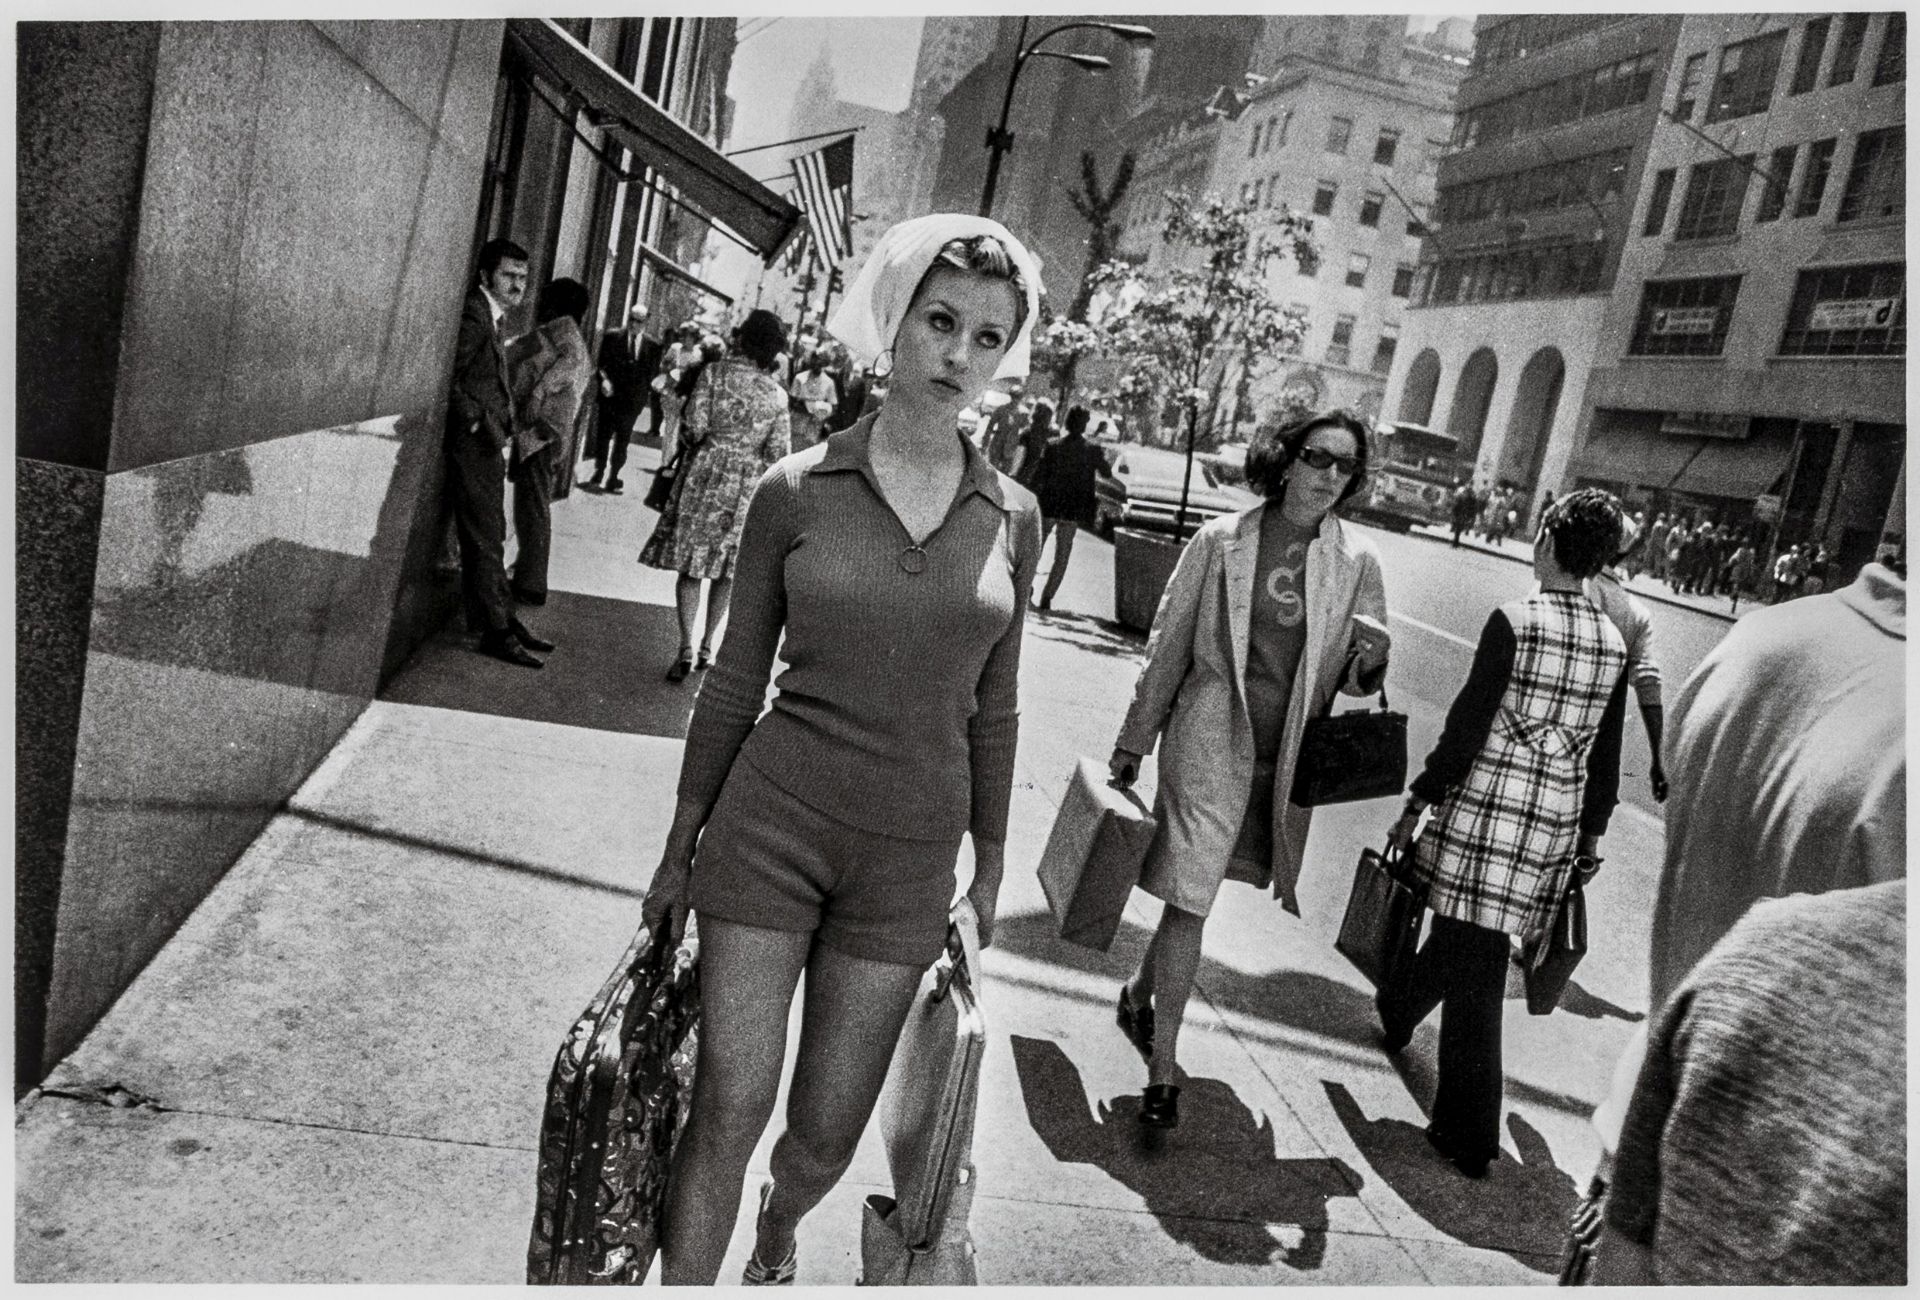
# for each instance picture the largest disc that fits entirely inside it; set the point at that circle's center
(897, 709)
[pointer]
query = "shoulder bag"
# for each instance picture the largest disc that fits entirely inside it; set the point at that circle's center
(1350, 756)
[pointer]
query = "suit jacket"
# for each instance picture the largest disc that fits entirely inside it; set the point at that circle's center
(1194, 687)
(479, 391)
(630, 376)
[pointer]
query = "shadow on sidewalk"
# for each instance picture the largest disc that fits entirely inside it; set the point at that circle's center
(1099, 635)
(1214, 1183)
(608, 673)
(1521, 1208)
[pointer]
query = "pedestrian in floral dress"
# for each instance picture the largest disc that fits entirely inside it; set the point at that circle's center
(734, 426)
(1522, 784)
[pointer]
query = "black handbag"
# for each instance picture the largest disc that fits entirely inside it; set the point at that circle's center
(662, 489)
(1346, 757)
(1382, 926)
(1551, 955)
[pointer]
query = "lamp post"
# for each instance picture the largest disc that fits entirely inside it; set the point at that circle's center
(999, 139)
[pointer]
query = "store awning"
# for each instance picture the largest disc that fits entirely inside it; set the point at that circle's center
(706, 178)
(674, 271)
(1740, 469)
(1633, 456)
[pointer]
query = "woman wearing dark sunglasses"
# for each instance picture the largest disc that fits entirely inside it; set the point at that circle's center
(1268, 614)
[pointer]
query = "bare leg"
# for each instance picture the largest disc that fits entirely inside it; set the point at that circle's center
(855, 1008)
(686, 603)
(747, 977)
(1166, 975)
(718, 593)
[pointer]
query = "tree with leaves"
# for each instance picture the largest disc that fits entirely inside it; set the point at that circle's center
(1180, 329)
(1096, 207)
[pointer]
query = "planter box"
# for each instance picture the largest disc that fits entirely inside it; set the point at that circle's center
(1142, 563)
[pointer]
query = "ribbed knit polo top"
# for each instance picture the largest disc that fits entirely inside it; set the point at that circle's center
(897, 710)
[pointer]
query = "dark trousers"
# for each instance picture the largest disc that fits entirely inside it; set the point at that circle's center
(533, 482)
(1463, 971)
(476, 489)
(613, 431)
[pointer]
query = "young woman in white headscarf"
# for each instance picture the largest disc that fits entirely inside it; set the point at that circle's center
(890, 566)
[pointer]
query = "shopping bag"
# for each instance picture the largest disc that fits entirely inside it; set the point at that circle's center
(617, 1099)
(1551, 955)
(1093, 856)
(1382, 926)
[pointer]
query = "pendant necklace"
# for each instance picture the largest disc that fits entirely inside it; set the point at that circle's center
(914, 559)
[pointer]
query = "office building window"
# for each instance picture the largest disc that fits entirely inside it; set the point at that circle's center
(1657, 204)
(1370, 204)
(1246, 193)
(1273, 190)
(1715, 193)
(1891, 66)
(1684, 318)
(1403, 280)
(1357, 264)
(1877, 178)
(1689, 96)
(1747, 73)
(1323, 196)
(1340, 346)
(1813, 184)
(1384, 349)
(1258, 187)
(1773, 195)
(1813, 46)
(1846, 52)
(1386, 146)
(1339, 131)
(1280, 121)
(1297, 310)
(1253, 144)
(1848, 311)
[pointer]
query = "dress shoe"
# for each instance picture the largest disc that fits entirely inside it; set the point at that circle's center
(593, 484)
(615, 487)
(1136, 1023)
(502, 645)
(529, 598)
(524, 635)
(1472, 1165)
(1160, 1106)
(1394, 1038)
(703, 660)
(681, 667)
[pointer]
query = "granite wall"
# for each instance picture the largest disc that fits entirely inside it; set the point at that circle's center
(229, 446)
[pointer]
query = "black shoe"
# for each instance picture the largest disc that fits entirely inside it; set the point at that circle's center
(1160, 1106)
(593, 484)
(1393, 1038)
(681, 667)
(703, 660)
(529, 598)
(503, 646)
(615, 487)
(525, 636)
(1136, 1023)
(1472, 1165)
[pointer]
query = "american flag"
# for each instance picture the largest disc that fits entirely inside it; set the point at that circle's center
(801, 245)
(825, 181)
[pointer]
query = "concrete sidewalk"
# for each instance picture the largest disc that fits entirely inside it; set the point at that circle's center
(333, 1073)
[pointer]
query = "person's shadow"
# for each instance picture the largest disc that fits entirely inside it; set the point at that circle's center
(1214, 1183)
(1520, 1208)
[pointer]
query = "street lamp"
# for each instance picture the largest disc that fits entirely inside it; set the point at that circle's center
(999, 139)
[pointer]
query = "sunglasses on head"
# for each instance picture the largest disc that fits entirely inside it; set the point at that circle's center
(1321, 458)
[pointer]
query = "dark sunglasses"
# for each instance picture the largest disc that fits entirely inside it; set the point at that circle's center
(1321, 458)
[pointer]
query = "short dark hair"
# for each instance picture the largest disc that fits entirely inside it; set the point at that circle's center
(1077, 417)
(762, 337)
(562, 298)
(1586, 527)
(1276, 446)
(496, 251)
(982, 255)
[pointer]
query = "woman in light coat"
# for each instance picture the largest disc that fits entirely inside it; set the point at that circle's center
(1268, 614)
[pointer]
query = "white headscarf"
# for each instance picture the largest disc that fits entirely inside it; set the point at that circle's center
(880, 294)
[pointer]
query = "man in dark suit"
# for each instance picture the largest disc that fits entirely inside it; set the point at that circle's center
(629, 359)
(479, 438)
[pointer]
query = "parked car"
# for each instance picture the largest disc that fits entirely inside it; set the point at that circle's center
(1141, 489)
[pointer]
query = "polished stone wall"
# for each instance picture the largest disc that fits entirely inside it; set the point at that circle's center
(305, 197)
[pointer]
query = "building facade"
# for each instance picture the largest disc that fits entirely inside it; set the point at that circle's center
(1750, 366)
(1535, 194)
(243, 249)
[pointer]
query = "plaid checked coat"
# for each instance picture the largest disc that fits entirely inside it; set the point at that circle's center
(1500, 847)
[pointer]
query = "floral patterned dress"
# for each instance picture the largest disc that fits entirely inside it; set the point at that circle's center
(733, 428)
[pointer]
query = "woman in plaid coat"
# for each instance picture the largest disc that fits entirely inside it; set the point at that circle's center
(1521, 784)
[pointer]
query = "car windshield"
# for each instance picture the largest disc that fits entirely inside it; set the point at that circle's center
(1162, 469)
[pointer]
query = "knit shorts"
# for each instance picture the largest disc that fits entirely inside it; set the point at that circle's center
(767, 859)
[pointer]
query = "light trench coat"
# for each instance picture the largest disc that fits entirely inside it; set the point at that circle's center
(1192, 694)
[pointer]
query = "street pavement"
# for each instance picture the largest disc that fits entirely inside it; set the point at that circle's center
(333, 1073)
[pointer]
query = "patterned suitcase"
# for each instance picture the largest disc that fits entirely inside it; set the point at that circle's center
(919, 1236)
(618, 1096)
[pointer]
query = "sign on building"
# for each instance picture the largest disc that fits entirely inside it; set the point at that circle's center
(1853, 314)
(1685, 320)
(1703, 424)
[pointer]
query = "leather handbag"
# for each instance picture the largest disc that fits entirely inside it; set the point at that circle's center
(1381, 928)
(617, 1099)
(1093, 856)
(1346, 757)
(661, 491)
(1552, 955)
